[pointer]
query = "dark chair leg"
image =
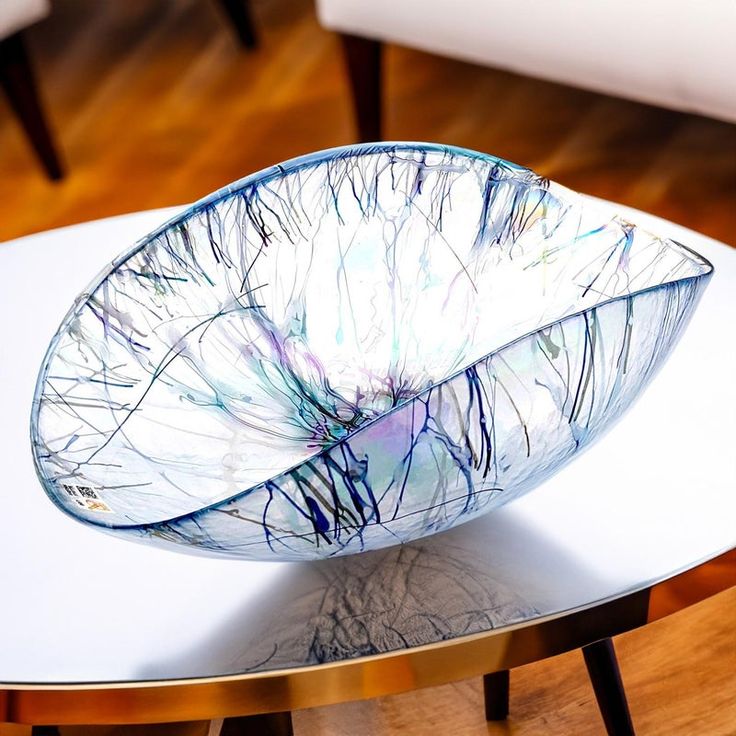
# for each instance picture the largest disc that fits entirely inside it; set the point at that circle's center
(363, 59)
(600, 659)
(238, 12)
(268, 724)
(16, 77)
(496, 695)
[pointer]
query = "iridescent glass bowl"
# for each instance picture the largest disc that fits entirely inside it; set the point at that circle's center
(350, 350)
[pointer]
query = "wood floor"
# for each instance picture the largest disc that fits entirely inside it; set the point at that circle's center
(155, 104)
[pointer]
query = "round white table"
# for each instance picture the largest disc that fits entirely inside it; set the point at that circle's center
(94, 629)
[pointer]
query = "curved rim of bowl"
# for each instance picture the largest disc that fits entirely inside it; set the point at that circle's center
(260, 177)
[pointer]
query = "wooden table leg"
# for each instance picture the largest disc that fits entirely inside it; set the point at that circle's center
(363, 60)
(238, 12)
(268, 724)
(18, 81)
(496, 695)
(600, 659)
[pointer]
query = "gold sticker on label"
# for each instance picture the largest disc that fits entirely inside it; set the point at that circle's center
(86, 498)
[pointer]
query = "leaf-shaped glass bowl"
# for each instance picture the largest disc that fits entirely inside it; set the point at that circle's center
(352, 349)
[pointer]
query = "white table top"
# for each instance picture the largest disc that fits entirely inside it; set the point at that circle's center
(654, 497)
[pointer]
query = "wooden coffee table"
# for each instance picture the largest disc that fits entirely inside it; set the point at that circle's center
(97, 630)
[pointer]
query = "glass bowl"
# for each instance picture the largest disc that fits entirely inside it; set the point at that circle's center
(349, 350)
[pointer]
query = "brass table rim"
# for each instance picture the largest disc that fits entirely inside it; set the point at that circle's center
(332, 682)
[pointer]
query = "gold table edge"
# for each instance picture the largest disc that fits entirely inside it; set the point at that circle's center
(323, 684)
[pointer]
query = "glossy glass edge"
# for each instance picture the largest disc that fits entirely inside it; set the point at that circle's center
(266, 175)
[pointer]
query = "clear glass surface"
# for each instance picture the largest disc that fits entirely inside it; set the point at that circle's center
(353, 349)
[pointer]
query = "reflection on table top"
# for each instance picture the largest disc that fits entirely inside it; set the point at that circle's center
(654, 497)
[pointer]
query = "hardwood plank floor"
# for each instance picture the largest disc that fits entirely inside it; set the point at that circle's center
(155, 103)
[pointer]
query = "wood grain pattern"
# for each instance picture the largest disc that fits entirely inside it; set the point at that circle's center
(156, 104)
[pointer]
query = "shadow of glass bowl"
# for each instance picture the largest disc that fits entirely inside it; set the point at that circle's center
(349, 350)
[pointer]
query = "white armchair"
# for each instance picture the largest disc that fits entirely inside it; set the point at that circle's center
(673, 53)
(15, 15)
(16, 77)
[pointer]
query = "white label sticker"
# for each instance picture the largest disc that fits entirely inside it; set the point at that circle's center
(86, 498)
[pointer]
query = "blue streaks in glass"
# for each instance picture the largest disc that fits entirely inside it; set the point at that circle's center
(353, 349)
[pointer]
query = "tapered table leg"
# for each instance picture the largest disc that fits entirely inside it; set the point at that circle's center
(18, 81)
(238, 12)
(600, 659)
(363, 61)
(496, 694)
(268, 724)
